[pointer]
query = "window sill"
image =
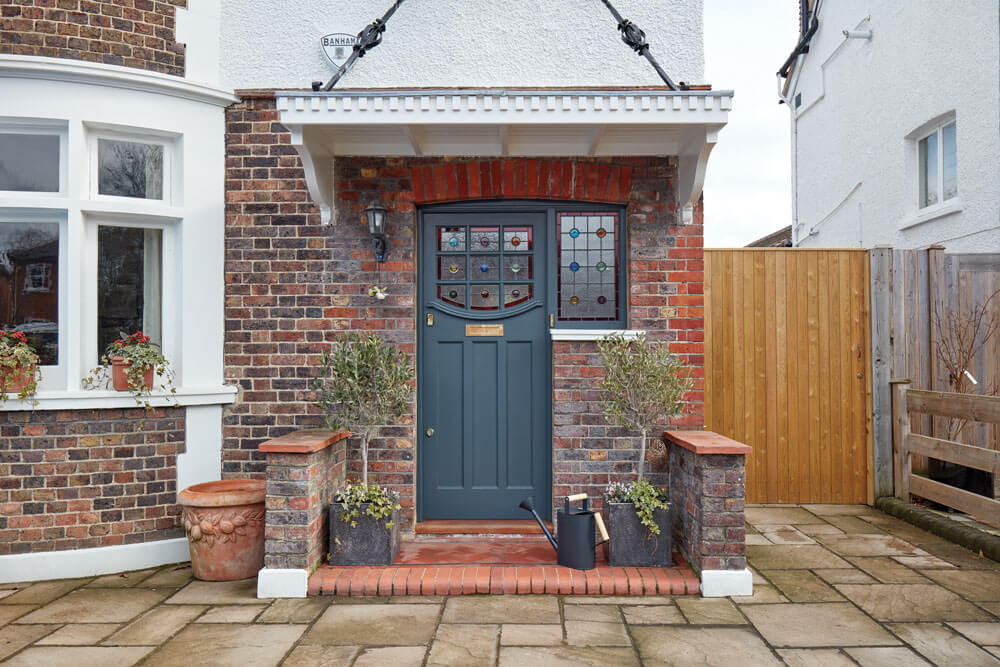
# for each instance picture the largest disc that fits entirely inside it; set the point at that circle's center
(592, 334)
(933, 213)
(99, 400)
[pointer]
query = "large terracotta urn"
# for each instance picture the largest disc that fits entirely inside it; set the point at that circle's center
(224, 522)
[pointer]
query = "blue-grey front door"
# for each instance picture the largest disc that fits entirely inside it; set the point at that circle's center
(484, 364)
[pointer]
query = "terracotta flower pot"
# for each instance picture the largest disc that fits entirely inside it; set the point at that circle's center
(16, 379)
(119, 375)
(224, 522)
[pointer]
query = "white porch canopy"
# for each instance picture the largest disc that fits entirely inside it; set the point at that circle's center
(502, 123)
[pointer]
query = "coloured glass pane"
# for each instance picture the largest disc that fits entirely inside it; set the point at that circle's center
(485, 239)
(588, 267)
(453, 294)
(451, 268)
(485, 297)
(516, 239)
(517, 267)
(451, 239)
(516, 294)
(485, 267)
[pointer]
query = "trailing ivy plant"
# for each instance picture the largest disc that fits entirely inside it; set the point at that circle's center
(18, 360)
(381, 503)
(646, 498)
(644, 385)
(138, 354)
(363, 384)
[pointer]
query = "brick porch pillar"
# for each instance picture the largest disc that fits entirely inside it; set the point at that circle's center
(304, 469)
(708, 498)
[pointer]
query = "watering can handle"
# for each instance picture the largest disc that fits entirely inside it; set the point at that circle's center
(578, 496)
(600, 526)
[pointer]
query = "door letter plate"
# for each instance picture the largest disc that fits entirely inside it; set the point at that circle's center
(483, 329)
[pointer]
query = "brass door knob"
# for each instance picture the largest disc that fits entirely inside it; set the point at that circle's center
(429, 432)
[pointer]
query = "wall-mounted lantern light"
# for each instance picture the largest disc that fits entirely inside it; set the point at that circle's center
(376, 214)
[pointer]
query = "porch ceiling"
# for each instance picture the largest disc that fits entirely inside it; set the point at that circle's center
(501, 123)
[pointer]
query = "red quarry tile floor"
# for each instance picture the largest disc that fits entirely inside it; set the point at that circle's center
(513, 566)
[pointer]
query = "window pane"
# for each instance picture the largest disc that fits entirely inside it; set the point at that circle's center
(949, 161)
(588, 267)
(130, 169)
(929, 171)
(29, 285)
(128, 283)
(29, 162)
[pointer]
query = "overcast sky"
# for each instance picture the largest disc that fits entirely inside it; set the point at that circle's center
(747, 190)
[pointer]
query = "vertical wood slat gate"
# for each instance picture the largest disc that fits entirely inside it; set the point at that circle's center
(787, 369)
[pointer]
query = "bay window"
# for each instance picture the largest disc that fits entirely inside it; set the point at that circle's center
(88, 223)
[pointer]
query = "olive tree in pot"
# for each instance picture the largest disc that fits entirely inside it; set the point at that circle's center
(364, 383)
(643, 387)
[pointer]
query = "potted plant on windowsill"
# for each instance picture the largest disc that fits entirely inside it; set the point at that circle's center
(363, 384)
(643, 387)
(18, 367)
(131, 363)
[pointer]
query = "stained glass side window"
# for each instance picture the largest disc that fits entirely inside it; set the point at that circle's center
(588, 267)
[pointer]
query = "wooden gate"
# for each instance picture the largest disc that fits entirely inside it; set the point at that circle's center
(787, 359)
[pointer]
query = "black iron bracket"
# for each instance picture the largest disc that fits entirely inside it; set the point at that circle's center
(635, 38)
(367, 40)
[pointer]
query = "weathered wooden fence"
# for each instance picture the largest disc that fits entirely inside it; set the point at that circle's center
(788, 369)
(911, 291)
(907, 444)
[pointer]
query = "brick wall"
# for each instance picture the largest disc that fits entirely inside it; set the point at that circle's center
(74, 479)
(132, 33)
(294, 284)
(708, 499)
(300, 487)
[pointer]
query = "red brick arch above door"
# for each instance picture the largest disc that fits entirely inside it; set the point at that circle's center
(522, 178)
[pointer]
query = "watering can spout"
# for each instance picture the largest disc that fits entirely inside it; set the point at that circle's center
(529, 505)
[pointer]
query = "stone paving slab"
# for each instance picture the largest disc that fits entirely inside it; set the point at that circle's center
(813, 604)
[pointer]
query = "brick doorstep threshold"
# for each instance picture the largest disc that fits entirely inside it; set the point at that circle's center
(503, 579)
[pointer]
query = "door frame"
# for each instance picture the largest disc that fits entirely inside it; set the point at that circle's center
(550, 208)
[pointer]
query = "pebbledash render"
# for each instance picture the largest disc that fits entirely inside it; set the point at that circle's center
(540, 194)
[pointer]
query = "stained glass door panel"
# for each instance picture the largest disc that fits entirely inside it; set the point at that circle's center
(485, 400)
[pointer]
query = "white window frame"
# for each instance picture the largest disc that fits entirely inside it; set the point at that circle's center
(170, 229)
(937, 131)
(39, 126)
(912, 213)
(53, 377)
(45, 275)
(169, 142)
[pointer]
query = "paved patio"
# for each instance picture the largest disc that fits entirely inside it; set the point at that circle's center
(834, 585)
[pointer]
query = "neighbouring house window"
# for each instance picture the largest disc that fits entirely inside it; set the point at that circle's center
(29, 162)
(938, 156)
(588, 267)
(129, 169)
(29, 273)
(38, 278)
(129, 283)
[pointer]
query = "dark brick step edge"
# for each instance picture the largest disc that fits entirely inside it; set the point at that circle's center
(966, 536)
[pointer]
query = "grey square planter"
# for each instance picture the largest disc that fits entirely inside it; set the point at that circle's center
(631, 542)
(368, 543)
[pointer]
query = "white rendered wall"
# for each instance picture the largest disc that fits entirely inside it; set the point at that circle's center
(855, 180)
(479, 43)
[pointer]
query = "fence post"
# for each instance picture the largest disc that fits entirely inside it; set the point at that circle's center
(900, 429)
(880, 258)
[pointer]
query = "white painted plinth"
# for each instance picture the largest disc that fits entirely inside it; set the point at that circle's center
(90, 562)
(282, 583)
(723, 583)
